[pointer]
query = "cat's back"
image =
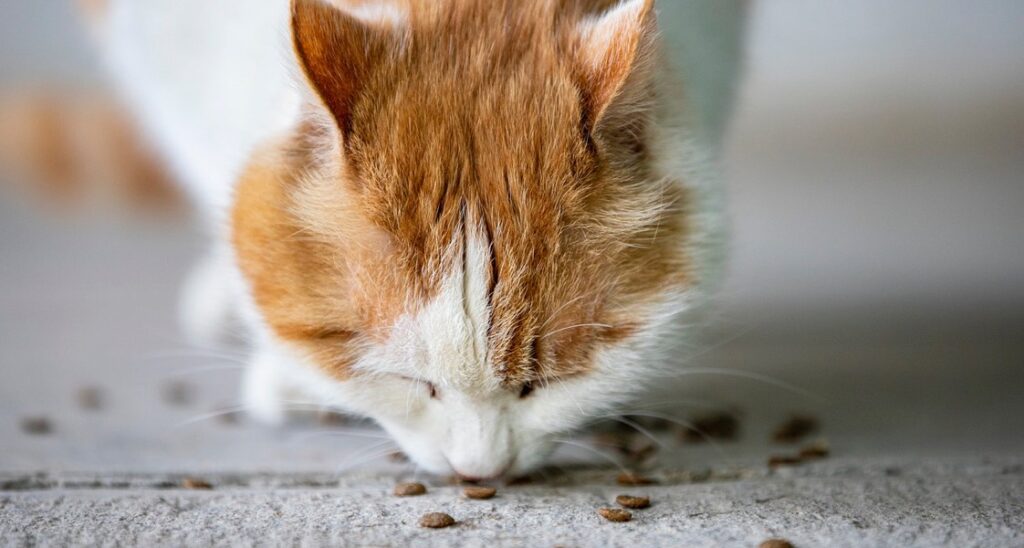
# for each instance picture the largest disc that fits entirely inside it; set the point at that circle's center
(209, 81)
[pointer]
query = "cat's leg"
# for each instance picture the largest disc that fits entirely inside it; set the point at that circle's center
(264, 392)
(274, 387)
(209, 313)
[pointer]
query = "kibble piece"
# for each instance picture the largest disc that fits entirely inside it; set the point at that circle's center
(90, 398)
(795, 429)
(775, 543)
(615, 514)
(630, 501)
(36, 426)
(436, 520)
(718, 426)
(816, 450)
(776, 461)
(177, 393)
(332, 418)
(629, 478)
(479, 492)
(410, 489)
(195, 483)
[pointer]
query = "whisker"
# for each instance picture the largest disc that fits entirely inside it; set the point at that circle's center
(638, 428)
(601, 454)
(555, 332)
(306, 436)
(753, 376)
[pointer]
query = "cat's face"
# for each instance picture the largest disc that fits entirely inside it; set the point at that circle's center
(468, 236)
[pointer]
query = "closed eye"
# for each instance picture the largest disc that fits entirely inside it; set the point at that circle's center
(432, 390)
(526, 390)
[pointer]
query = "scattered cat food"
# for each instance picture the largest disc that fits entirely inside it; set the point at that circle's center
(196, 483)
(632, 479)
(641, 451)
(715, 426)
(90, 398)
(776, 461)
(520, 480)
(816, 450)
(615, 514)
(479, 492)
(436, 520)
(630, 501)
(795, 429)
(229, 416)
(775, 543)
(36, 426)
(410, 489)
(177, 393)
(654, 424)
(331, 418)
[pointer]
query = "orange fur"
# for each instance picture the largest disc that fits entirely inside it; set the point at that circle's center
(496, 119)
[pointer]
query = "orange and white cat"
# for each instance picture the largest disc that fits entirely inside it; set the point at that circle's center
(478, 222)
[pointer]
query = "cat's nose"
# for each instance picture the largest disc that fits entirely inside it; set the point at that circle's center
(478, 471)
(477, 478)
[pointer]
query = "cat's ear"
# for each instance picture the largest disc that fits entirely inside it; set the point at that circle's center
(614, 54)
(337, 52)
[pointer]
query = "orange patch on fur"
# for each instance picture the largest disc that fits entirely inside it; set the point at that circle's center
(474, 117)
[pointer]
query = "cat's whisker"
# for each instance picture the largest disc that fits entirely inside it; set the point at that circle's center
(203, 369)
(367, 454)
(577, 326)
(754, 377)
(306, 436)
(601, 454)
(646, 433)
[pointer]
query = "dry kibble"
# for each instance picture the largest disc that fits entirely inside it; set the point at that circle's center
(36, 426)
(776, 461)
(479, 492)
(436, 520)
(795, 429)
(816, 450)
(195, 483)
(410, 489)
(630, 501)
(90, 398)
(332, 418)
(775, 543)
(177, 393)
(615, 514)
(629, 478)
(717, 426)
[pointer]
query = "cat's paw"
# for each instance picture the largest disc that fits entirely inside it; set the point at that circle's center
(264, 391)
(208, 307)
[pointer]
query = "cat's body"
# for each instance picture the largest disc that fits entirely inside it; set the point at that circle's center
(479, 240)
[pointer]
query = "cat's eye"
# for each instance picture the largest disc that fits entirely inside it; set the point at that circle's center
(432, 390)
(526, 390)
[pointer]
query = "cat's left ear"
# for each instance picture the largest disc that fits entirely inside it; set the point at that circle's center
(614, 56)
(338, 53)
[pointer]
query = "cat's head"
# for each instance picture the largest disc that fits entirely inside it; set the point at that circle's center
(468, 233)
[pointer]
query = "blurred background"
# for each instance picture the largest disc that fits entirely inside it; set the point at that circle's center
(876, 173)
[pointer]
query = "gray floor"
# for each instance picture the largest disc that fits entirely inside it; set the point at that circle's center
(876, 285)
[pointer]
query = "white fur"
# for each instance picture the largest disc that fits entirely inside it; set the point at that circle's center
(210, 80)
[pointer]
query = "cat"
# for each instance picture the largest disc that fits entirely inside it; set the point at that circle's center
(480, 223)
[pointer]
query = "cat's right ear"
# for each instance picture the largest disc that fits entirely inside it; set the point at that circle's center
(338, 54)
